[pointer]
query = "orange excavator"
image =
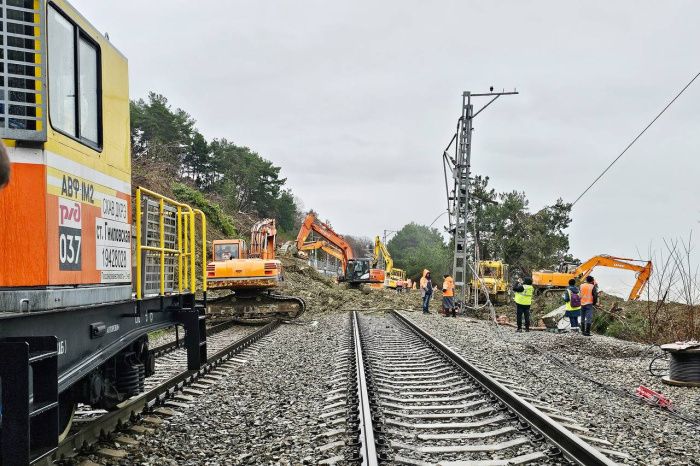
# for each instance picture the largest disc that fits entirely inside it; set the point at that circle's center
(355, 271)
(252, 273)
(548, 281)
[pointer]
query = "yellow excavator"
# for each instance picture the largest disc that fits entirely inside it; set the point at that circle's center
(252, 273)
(395, 277)
(549, 281)
(493, 277)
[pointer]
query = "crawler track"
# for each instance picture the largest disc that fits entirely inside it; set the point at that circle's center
(170, 378)
(420, 403)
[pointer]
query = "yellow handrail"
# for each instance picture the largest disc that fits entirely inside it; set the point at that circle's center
(186, 244)
(204, 247)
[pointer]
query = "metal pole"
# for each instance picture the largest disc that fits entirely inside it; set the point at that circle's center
(458, 199)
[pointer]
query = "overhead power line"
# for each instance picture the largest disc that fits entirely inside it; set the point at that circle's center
(635, 139)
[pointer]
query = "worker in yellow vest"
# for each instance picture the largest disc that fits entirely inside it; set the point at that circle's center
(523, 300)
(572, 299)
(589, 298)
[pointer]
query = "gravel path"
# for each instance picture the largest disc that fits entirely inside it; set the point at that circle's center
(267, 412)
(649, 435)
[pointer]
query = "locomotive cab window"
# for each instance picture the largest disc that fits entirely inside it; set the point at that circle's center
(74, 72)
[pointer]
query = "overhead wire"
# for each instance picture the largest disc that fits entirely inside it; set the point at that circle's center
(634, 140)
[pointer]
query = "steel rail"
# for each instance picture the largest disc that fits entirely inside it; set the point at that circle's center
(571, 446)
(368, 446)
(171, 346)
(113, 420)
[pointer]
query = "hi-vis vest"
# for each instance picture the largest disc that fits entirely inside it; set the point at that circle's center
(525, 297)
(449, 288)
(587, 293)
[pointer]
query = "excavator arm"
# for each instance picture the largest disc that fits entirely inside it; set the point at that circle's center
(643, 271)
(324, 246)
(335, 252)
(262, 239)
(380, 249)
(335, 245)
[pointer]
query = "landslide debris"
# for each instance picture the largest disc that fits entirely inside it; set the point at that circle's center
(323, 295)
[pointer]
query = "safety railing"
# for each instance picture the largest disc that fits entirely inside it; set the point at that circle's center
(183, 248)
(23, 70)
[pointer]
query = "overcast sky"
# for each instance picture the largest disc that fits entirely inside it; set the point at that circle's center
(355, 100)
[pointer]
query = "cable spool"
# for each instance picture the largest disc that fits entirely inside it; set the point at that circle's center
(684, 364)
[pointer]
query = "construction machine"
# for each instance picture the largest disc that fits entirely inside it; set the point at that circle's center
(549, 281)
(493, 278)
(252, 273)
(355, 271)
(395, 278)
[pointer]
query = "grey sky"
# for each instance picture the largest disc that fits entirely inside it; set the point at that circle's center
(356, 100)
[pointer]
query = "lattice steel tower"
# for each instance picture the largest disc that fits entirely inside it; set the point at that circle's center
(458, 198)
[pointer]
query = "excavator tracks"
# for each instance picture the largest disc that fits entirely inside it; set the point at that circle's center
(256, 308)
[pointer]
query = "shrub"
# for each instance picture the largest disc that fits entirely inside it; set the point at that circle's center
(213, 211)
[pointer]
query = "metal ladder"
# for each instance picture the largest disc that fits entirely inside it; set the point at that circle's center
(29, 383)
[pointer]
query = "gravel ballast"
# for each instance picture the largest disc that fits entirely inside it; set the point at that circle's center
(648, 434)
(266, 412)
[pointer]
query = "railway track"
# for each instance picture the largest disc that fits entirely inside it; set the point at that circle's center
(417, 402)
(179, 342)
(171, 376)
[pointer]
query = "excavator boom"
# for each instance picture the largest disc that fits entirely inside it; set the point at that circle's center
(394, 278)
(381, 250)
(546, 279)
(262, 239)
(335, 244)
(355, 270)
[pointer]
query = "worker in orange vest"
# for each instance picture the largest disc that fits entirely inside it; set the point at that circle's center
(589, 298)
(448, 292)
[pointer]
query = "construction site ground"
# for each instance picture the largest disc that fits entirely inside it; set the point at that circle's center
(589, 378)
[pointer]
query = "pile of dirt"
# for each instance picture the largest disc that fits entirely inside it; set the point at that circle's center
(323, 295)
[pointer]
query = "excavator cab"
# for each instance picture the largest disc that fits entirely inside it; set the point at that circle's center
(228, 249)
(359, 271)
(568, 267)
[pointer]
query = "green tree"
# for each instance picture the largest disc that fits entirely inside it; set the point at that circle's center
(286, 211)
(159, 132)
(250, 183)
(197, 161)
(417, 247)
(506, 230)
(237, 177)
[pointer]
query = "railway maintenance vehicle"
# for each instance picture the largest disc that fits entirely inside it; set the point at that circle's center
(88, 269)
